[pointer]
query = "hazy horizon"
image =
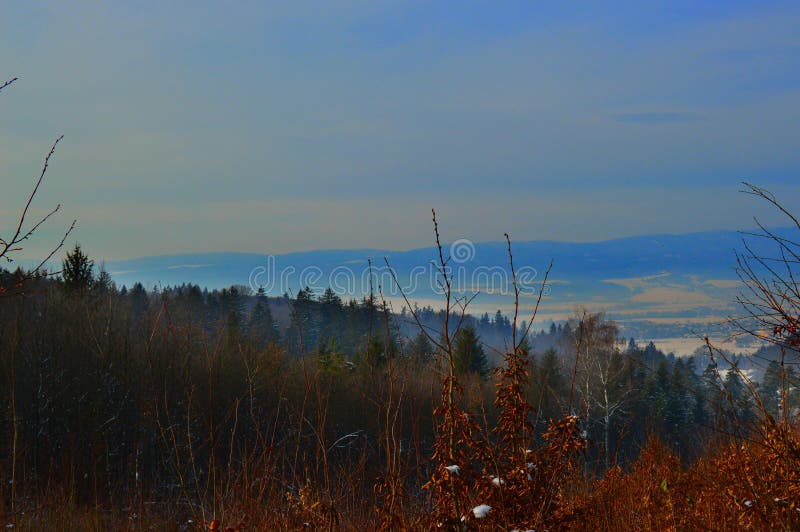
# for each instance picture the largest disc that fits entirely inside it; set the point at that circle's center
(32, 260)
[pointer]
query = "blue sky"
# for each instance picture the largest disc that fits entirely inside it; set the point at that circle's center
(284, 126)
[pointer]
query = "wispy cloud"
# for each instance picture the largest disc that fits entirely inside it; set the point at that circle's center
(185, 266)
(647, 118)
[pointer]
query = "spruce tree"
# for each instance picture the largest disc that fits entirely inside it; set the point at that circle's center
(421, 349)
(77, 270)
(261, 326)
(469, 356)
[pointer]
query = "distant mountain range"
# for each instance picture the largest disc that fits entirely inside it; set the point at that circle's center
(708, 253)
(663, 277)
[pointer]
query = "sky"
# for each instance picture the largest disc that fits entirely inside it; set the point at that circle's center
(288, 126)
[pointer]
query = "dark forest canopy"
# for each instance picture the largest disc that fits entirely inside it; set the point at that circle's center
(653, 392)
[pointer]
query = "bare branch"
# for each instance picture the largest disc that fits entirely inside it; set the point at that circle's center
(11, 245)
(7, 83)
(770, 197)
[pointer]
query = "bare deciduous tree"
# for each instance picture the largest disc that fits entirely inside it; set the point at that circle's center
(599, 366)
(771, 294)
(25, 229)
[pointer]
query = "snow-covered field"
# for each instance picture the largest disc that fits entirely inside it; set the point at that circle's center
(687, 346)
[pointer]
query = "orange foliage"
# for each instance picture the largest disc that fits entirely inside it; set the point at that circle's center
(751, 485)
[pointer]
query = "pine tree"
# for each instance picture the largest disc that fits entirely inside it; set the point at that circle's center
(330, 314)
(421, 349)
(771, 388)
(548, 385)
(77, 270)
(499, 322)
(262, 326)
(138, 298)
(304, 319)
(330, 359)
(468, 354)
(632, 347)
(739, 398)
(103, 284)
(678, 415)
